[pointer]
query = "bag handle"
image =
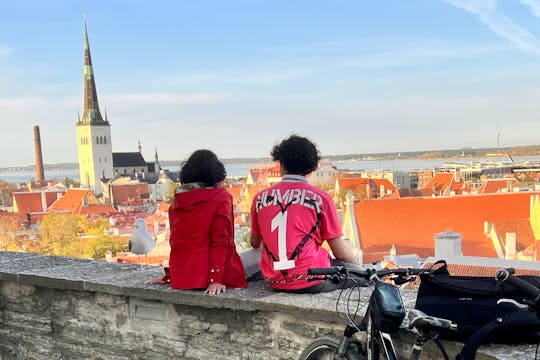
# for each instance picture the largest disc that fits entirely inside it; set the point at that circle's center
(434, 269)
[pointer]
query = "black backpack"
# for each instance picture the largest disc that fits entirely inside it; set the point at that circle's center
(471, 302)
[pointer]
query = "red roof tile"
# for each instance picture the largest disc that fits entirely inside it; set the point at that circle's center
(80, 201)
(481, 270)
(444, 183)
(412, 223)
(130, 193)
(26, 202)
(497, 185)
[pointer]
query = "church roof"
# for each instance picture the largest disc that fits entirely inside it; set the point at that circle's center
(128, 159)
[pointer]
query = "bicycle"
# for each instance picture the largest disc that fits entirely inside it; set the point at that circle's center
(517, 318)
(384, 316)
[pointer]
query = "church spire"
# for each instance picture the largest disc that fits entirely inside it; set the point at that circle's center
(156, 162)
(91, 114)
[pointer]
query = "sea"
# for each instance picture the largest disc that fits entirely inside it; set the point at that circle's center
(236, 170)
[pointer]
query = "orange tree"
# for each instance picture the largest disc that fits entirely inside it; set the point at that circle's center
(60, 234)
(97, 241)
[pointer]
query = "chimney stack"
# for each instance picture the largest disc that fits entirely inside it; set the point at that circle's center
(448, 245)
(510, 246)
(40, 175)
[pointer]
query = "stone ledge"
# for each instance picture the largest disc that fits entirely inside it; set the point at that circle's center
(129, 280)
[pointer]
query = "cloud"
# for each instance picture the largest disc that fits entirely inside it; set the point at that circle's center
(419, 55)
(501, 24)
(165, 98)
(5, 50)
(534, 6)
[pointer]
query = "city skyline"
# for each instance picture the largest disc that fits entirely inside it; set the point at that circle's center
(238, 76)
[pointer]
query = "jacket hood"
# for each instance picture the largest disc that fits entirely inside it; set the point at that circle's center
(196, 197)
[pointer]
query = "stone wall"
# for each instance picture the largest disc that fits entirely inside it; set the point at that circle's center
(43, 323)
(62, 308)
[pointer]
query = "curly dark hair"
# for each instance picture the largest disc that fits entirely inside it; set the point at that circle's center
(203, 166)
(298, 155)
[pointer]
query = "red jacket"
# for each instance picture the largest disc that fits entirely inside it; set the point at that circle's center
(202, 240)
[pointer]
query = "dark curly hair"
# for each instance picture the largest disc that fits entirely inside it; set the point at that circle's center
(298, 155)
(203, 166)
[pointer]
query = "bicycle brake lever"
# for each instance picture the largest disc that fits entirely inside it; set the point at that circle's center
(513, 303)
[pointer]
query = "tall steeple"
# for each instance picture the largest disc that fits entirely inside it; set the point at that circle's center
(157, 165)
(93, 133)
(91, 113)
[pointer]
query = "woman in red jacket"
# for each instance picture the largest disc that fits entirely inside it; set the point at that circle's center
(203, 252)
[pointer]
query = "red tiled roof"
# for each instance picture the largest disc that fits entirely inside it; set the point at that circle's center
(71, 201)
(235, 191)
(374, 183)
(522, 228)
(480, 270)
(496, 185)
(13, 215)
(533, 251)
(127, 193)
(384, 182)
(26, 202)
(96, 209)
(412, 223)
(444, 182)
(409, 193)
(352, 182)
(81, 202)
(164, 207)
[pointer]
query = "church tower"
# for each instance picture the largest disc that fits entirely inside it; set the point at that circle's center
(93, 132)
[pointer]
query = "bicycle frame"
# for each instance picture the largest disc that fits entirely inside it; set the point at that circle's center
(383, 317)
(379, 340)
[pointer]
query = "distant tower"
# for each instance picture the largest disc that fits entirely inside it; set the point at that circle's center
(139, 147)
(40, 175)
(93, 132)
(157, 165)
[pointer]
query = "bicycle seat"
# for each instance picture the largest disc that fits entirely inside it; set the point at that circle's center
(418, 319)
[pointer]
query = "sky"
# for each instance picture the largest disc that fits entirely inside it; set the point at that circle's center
(238, 76)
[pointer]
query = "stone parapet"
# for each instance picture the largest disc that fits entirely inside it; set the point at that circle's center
(65, 308)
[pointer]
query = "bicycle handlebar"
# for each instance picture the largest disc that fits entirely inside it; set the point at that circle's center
(365, 274)
(506, 275)
(324, 271)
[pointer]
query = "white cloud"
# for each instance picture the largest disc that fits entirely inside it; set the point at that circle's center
(475, 6)
(534, 5)
(501, 24)
(419, 55)
(164, 98)
(5, 50)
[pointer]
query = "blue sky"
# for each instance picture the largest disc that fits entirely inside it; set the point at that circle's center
(237, 76)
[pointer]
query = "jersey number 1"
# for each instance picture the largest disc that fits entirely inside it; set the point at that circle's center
(279, 222)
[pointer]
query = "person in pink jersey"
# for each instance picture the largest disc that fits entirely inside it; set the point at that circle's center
(292, 219)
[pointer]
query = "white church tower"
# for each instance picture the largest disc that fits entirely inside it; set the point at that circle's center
(93, 133)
